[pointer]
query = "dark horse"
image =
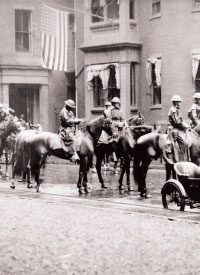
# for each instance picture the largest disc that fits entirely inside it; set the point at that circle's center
(38, 146)
(123, 147)
(152, 146)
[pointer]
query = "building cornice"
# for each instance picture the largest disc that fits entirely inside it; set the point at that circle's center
(21, 67)
(114, 46)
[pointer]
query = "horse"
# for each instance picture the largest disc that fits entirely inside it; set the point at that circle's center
(122, 145)
(126, 145)
(44, 144)
(152, 146)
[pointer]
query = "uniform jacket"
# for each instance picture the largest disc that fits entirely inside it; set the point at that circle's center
(194, 114)
(67, 118)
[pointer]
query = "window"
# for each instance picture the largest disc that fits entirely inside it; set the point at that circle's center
(100, 95)
(22, 30)
(196, 3)
(156, 7)
(131, 9)
(104, 9)
(156, 89)
(132, 85)
(112, 85)
(197, 80)
(97, 9)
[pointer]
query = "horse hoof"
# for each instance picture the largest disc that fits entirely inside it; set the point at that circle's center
(86, 191)
(80, 192)
(12, 186)
(145, 195)
(103, 186)
(121, 187)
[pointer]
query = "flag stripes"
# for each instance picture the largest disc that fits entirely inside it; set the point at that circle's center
(54, 39)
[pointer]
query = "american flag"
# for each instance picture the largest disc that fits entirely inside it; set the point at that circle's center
(54, 38)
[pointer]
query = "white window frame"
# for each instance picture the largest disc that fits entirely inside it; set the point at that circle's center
(157, 14)
(29, 32)
(105, 17)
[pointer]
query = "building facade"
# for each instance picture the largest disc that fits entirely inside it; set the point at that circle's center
(143, 51)
(25, 86)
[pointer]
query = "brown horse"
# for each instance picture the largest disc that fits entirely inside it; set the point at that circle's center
(39, 146)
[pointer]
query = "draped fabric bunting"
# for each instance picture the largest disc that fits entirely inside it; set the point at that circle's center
(195, 65)
(157, 62)
(103, 71)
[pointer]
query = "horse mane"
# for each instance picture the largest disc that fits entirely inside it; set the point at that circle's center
(136, 120)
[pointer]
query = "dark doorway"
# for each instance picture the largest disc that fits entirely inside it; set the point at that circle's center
(24, 99)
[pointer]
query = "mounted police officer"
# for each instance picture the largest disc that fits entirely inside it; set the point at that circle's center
(68, 123)
(179, 129)
(114, 112)
(194, 111)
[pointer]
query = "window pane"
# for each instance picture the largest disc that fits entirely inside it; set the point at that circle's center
(156, 8)
(131, 9)
(132, 85)
(112, 9)
(22, 42)
(156, 88)
(96, 9)
(156, 95)
(112, 87)
(98, 93)
(22, 20)
(22, 30)
(197, 3)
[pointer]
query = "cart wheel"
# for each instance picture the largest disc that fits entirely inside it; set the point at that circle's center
(173, 197)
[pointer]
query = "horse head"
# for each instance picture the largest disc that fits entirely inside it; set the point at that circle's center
(136, 120)
(95, 127)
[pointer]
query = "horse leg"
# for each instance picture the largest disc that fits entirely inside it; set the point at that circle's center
(37, 178)
(98, 167)
(123, 169)
(85, 169)
(143, 173)
(80, 178)
(127, 165)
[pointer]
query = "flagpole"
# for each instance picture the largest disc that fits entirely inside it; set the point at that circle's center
(75, 65)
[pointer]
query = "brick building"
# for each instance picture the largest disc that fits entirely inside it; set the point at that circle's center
(141, 50)
(24, 85)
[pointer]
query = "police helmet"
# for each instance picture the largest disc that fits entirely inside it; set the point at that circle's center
(115, 100)
(196, 96)
(176, 98)
(70, 103)
(108, 103)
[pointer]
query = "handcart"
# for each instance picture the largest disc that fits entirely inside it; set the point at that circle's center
(185, 190)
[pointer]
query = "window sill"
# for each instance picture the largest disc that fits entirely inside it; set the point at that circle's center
(103, 25)
(23, 53)
(98, 110)
(157, 106)
(156, 16)
(133, 22)
(196, 9)
(133, 109)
